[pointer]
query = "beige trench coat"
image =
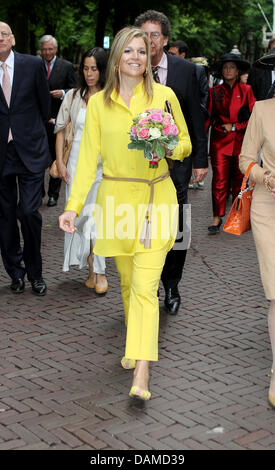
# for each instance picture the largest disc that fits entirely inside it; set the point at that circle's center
(260, 137)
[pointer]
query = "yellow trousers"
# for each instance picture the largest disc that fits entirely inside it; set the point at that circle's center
(139, 280)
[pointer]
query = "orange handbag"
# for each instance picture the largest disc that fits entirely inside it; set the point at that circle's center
(238, 220)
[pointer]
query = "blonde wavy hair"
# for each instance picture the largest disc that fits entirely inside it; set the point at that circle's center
(121, 40)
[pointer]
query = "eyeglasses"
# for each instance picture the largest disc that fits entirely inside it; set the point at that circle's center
(4, 34)
(154, 34)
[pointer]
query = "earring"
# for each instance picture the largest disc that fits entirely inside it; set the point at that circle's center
(145, 72)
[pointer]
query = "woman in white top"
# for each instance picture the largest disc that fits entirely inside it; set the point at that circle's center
(78, 246)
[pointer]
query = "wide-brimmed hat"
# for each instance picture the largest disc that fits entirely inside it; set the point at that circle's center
(267, 59)
(242, 64)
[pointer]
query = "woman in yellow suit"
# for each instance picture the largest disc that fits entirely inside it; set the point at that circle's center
(128, 186)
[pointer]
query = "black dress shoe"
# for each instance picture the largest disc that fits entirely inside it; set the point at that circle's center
(172, 300)
(52, 202)
(39, 286)
(17, 286)
(213, 229)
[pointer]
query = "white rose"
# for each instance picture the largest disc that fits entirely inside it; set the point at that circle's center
(154, 132)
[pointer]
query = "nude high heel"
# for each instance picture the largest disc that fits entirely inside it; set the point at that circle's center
(101, 284)
(91, 281)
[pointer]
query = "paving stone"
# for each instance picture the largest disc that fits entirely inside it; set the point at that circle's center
(89, 439)
(61, 383)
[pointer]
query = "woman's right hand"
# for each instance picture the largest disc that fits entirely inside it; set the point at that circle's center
(63, 172)
(271, 183)
(66, 221)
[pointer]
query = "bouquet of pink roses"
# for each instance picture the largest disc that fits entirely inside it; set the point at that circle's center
(153, 131)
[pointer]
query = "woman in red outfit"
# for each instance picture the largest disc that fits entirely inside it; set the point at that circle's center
(229, 108)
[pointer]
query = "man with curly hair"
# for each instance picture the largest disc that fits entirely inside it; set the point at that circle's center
(180, 75)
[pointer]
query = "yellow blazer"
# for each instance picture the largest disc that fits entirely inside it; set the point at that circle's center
(121, 206)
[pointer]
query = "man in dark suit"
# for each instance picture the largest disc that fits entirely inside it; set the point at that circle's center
(24, 156)
(61, 77)
(261, 78)
(179, 48)
(180, 75)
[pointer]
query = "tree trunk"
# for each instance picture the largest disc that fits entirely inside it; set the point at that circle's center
(104, 9)
(20, 28)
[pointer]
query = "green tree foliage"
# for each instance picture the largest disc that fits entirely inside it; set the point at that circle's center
(209, 27)
(212, 28)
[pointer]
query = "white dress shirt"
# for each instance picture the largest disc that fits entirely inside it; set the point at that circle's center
(163, 69)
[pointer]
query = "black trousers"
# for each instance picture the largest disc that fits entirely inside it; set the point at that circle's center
(174, 263)
(20, 199)
(54, 183)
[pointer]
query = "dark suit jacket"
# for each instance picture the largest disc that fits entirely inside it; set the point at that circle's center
(29, 110)
(203, 87)
(182, 79)
(271, 92)
(260, 80)
(62, 77)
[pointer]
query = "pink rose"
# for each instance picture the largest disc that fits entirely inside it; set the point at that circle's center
(155, 117)
(143, 133)
(167, 130)
(134, 130)
(175, 130)
(166, 120)
(143, 121)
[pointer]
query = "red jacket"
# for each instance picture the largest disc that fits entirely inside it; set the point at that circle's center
(224, 105)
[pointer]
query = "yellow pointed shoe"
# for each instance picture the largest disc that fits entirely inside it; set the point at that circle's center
(137, 392)
(271, 400)
(128, 363)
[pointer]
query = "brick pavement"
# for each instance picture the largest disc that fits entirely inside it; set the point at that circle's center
(61, 383)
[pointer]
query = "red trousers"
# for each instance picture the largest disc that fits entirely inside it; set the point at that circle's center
(226, 176)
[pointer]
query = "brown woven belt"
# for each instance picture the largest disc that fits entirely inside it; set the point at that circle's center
(146, 232)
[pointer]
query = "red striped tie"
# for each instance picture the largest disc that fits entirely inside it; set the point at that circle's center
(49, 70)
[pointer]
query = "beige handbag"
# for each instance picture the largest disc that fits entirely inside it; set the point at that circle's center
(68, 140)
